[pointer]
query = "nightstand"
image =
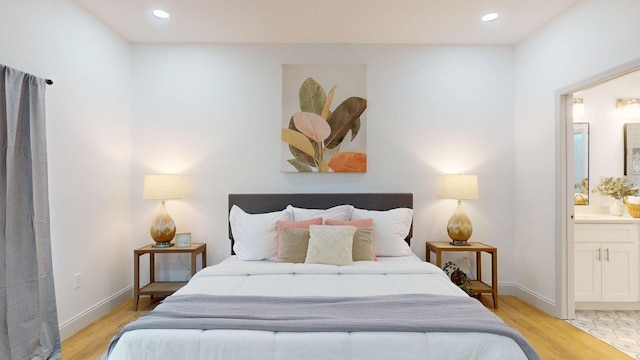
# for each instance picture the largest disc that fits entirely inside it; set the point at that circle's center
(477, 286)
(163, 288)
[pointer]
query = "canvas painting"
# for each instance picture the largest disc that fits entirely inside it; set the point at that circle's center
(324, 118)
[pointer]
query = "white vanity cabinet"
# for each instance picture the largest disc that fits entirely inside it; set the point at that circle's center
(606, 262)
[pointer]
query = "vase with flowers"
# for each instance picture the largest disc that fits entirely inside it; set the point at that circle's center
(617, 188)
(582, 197)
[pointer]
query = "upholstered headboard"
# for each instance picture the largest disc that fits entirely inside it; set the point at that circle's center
(262, 203)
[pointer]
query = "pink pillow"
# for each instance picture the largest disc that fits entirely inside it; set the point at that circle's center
(299, 224)
(360, 223)
(304, 224)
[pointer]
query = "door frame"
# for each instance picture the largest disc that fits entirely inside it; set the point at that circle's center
(565, 288)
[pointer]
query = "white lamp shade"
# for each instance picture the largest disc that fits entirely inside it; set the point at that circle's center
(459, 187)
(162, 187)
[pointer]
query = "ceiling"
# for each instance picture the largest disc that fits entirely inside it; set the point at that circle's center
(327, 21)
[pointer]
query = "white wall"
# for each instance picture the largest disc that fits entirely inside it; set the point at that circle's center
(88, 142)
(213, 113)
(591, 37)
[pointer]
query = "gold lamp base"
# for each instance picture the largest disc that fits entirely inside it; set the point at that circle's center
(163, 229)
(459, 227)
(459, 243)
(166, 244)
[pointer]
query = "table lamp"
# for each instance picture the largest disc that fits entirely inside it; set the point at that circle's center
(162, 187)
(459, 187)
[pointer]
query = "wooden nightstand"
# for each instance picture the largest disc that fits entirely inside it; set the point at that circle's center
(163, 288)
(477, 286)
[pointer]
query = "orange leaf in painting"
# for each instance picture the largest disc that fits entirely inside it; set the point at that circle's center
(349, 161)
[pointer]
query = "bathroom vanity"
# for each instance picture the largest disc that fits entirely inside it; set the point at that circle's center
(606, 260)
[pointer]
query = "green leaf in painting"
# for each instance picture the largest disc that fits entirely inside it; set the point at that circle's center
(301, 167)
(298, 154)
(329, 153)
(312, 97)
(298, 140)
(344, 118)
(355, 128)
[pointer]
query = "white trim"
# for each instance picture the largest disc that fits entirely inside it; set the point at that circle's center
(506, 288)
(564, 227)
(87, 317)
(527, 295)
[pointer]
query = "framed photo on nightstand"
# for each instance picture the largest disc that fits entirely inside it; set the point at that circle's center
(183, 239)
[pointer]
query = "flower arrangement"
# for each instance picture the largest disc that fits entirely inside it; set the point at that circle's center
(583, 186)
(617, 188)
(458, 277)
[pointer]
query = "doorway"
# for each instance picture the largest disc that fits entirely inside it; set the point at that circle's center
(565, 305)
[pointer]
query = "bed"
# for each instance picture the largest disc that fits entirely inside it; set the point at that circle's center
(353, 291)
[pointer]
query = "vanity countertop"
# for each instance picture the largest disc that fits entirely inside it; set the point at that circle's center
(604, 219)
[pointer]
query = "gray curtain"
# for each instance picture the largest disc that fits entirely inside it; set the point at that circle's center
(28, 315)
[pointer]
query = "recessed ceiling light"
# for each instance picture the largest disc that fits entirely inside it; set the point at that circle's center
(490, 17)
(161, 14)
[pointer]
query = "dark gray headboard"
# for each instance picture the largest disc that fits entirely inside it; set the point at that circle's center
(262, 203)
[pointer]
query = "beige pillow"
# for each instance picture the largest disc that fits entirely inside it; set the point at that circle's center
(363, 245)
(363, 239)
(292, 245)
(331, 245)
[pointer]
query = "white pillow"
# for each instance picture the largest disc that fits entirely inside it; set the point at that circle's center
(255, 235)
(390, 228)
(340, 212)
(331, 245)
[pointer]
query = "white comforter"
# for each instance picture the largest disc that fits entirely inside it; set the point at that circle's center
(360, 279)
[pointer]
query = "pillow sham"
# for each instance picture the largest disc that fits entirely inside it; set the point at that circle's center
(362, 249)
(362, 240)
(292, 245)
(280, 224)
(331, 245)
(298, 224)
(340, 212)
(255, 235)
(390, 230)
(360, 223)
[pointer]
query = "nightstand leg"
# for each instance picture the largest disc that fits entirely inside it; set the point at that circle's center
(136, 280)
(204, 258)
(479, 265)
(152, 270)
(494, 277)
(193, 264)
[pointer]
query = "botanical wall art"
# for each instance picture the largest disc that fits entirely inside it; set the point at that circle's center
(324, 118)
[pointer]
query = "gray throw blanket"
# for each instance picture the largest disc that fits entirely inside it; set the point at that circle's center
(396, 313)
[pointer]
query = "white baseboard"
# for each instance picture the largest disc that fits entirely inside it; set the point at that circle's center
(92, 314)
(506, 288)
(536, 300)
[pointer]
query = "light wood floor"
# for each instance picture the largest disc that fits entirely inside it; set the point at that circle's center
(552, 338)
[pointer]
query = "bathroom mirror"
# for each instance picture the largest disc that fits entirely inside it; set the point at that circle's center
(581, 163)
(632, 152)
